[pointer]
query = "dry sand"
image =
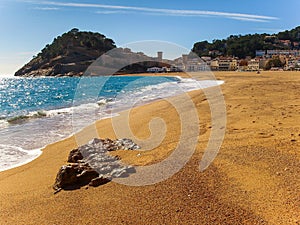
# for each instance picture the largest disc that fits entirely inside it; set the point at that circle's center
(253, 180)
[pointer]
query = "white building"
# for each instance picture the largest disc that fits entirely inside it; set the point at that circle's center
(155, 70)
(253, 65)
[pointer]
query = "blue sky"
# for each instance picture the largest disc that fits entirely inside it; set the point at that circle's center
(27, 26)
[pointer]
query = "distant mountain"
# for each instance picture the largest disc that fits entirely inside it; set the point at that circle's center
(68, 55)
(246, 45)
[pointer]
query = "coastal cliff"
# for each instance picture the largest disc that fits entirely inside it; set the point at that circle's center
(68, 55)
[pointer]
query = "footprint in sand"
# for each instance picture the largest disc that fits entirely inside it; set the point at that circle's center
(265, 135)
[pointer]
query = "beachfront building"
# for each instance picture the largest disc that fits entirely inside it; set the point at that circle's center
(292, 64)
(214, 64)
(191, 64)
(155, 70)
(196, 64)
(253, 65)
(224, 65)
(233, 65)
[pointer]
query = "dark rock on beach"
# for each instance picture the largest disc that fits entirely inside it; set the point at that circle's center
(99, 181)
(74, 156)
(74, 176)
(91, 164)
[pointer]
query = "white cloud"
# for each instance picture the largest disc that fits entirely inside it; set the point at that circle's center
(157, 11)
(47, 8)
(249, 19)
(113, 12)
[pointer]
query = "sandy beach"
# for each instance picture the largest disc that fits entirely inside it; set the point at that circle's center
(253, 180)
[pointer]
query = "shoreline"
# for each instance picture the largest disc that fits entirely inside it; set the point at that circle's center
(257, 160)
(114, 113)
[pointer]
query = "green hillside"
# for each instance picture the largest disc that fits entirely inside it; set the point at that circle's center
(68, 54)
(246, 45)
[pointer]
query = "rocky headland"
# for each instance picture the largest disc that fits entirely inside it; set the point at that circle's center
(68, 55)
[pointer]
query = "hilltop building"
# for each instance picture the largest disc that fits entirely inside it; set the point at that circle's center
(159, 56)
(270, 53)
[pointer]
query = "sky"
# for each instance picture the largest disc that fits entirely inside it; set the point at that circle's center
(28, 25)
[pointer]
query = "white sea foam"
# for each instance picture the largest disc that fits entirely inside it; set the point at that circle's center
(13, 156)
(3, 123)
(160, 91)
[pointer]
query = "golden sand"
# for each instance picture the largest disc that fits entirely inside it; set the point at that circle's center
(253, 180)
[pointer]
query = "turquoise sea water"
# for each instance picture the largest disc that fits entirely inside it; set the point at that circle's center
(35, 112)
(25, 95)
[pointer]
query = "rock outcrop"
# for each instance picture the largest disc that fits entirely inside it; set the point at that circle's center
(91, 165)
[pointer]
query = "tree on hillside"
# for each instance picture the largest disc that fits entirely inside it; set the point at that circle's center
(243, 63)
(275, 62)
(75, 38)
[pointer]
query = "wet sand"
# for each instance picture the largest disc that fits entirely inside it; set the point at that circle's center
(253, 180)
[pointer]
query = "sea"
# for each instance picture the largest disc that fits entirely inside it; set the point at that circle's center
(35, 112)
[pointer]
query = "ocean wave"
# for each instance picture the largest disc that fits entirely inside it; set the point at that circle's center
(23, 118)
(19, 119)
(104, 101)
